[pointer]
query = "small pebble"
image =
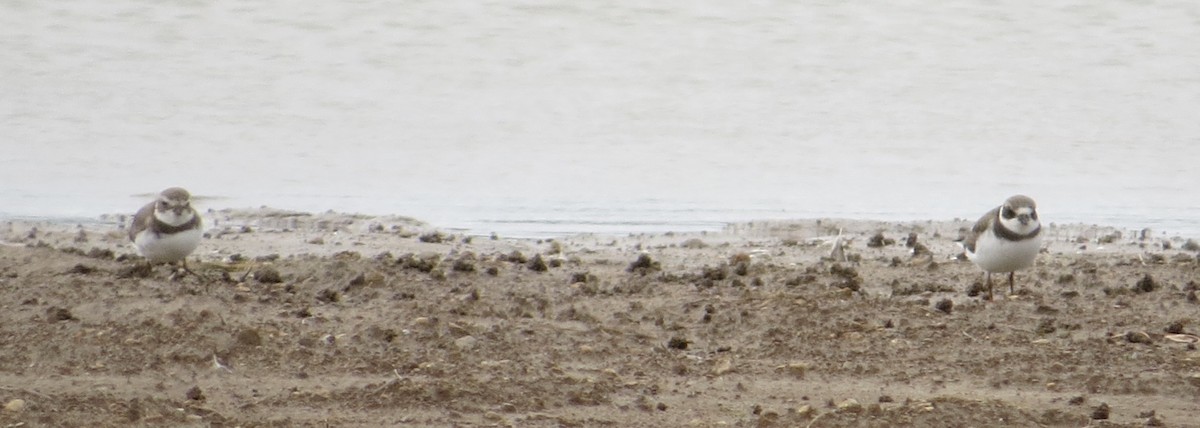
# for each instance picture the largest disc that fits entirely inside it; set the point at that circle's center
(15, 406)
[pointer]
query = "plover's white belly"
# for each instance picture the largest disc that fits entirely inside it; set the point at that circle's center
(167, 247)
(999, 255)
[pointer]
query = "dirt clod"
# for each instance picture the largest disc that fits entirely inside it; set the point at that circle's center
(379, 340)
(537, 264)
(878, 241)
(55, 314)
(249, 338)
(329, 295)
(434, 238)
(1046, 326)
(1100, 412)
(643, 265)
(82, 269)
(945, 305)
(678, 343)
(268, 275)
(1146, 284)
(195, 394)
(136, 270)
(1138, 337)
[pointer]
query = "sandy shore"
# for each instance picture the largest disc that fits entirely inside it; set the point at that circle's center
(343, 320)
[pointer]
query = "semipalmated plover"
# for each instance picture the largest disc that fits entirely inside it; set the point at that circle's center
(168, 229)
(1006, 239)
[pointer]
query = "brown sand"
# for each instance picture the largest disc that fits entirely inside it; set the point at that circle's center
(340, 320)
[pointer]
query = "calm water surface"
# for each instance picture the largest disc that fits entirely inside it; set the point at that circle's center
(548, 117)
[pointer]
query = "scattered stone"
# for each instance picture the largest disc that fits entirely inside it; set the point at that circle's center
(796, 369)
(15, 406)
(806, 411)
(850, 405)
(1100, 412)
(886, 399)
(694, 244)
(317, 241)
(466, 343)
(1191, 245)
(1175, 327)
(722, 366)
(1077, 400)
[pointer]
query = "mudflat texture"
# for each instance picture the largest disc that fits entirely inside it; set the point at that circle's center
(343, 320)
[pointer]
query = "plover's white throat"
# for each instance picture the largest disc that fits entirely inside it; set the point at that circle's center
(168, 229)
(1006, 239)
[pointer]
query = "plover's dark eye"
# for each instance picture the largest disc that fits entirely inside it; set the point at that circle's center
(1008, 213)
(1033, 215)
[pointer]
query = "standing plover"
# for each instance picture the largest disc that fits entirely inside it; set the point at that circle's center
(1006, 239)
(168, 229)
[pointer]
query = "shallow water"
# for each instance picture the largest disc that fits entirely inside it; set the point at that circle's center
(539, 118)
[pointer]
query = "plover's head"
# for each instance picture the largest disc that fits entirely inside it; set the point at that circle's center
(174, 206)
(1019, 214)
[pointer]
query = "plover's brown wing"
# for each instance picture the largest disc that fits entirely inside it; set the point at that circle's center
(141, 220)
(980, 228)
